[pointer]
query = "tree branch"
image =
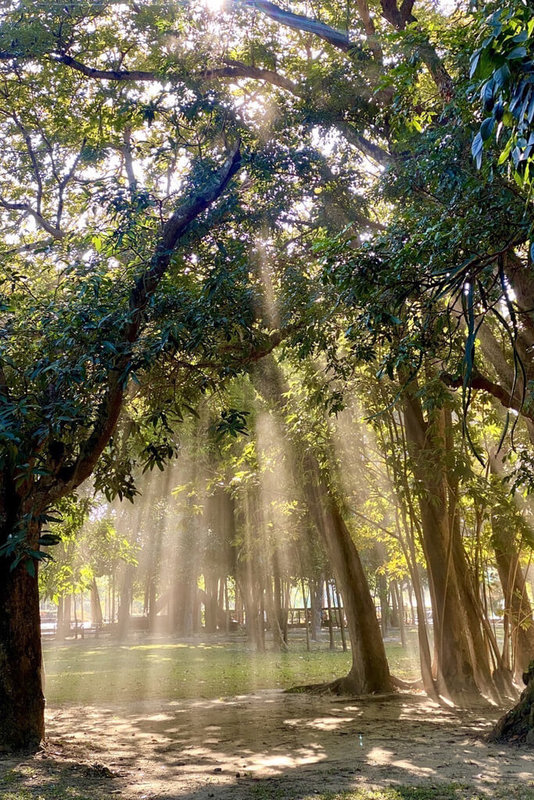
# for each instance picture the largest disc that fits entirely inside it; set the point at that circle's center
(110, 74)
(299, 22)
(368, 148)
(234, 69)
(479, 381)
(69, 477)
(56, 233)
(398, 18)
(370, 30)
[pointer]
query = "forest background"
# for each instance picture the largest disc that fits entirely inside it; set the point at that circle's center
(292, 248)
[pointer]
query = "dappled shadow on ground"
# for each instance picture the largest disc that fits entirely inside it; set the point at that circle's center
(267, 745)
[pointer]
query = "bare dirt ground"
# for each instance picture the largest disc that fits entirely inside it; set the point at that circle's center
(271, 744)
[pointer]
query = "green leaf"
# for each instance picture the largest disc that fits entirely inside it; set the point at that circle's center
(486, 128)
(476, 150)
(517, 53)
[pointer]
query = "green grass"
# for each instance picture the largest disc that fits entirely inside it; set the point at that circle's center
(104, 671)
(444, 792)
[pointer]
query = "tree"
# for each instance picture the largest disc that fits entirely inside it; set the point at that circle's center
(369, 671)
(103, 206)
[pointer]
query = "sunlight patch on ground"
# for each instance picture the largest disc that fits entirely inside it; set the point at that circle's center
(168, 646)
(272, 764)
(379, 756)
(319, 723)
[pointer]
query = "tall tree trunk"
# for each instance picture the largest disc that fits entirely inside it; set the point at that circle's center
(21, 693)
(462, 660)
(210, 597)
(399, 603)
(519, 621)
(517, 607)
(96, 606)
(64, 619)
(280, 608)
(369, 672)
(125, 599)
(316, 596)
(331, 640)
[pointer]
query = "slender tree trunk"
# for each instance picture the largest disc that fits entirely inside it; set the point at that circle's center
(65, 617)
(316, 595)
(273, 616)
(306, 624)
(341, 620)
(384, 605)
(397, 594)
(279, 610)
(369, 672)
(96, 606)
(331, 640)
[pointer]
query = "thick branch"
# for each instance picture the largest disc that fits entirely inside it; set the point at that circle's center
(368, 148)
(125, 75)
(370, 30)
(56, 233)
(108, 413)
(399, 18)
(234, 69)
(479, 381)
(299, 22)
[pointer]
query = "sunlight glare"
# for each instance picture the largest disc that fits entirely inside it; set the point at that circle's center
(214, 6)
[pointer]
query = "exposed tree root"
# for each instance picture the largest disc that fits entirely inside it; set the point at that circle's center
(340, 687)
(517, 725)
(399, 683)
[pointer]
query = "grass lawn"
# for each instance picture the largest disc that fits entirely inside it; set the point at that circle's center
(443, 792)
(103, 671)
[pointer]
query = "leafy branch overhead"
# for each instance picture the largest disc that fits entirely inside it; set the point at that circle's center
(503, 67)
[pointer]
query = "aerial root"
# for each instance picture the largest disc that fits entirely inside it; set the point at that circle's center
(340, 687)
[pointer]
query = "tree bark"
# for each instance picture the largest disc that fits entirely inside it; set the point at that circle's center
(517, 725)
(369, 672)
(463, 669)
(517, 605)
(96, 607)
(21, 694)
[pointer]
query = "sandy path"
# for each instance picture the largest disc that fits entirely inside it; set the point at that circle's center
(272, 744)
